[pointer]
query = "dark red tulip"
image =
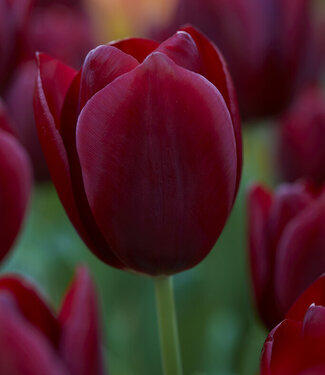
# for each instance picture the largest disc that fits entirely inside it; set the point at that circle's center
(144, 148)
(270, 46)
(296, 346)
(60, 28)
(302, 138)
(286, 245)
(34, 341)
(15, 184)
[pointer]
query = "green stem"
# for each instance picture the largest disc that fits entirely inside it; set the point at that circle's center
(169, 342)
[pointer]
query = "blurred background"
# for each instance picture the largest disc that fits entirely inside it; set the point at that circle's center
(275, 51)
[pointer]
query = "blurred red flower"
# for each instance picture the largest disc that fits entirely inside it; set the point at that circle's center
(286, 232)
(60, 28)
(34, 341)
(302, 138)
(296, 346)
(272, 46)
(15, 184)
(144, 148)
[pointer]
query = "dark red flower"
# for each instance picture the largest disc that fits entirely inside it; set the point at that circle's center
(270, 46)
(34, 341)
(144, 148)
(15, 184)
(302, 138)
(286, 245)
(296, 346)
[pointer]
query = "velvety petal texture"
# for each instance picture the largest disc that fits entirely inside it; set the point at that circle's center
(147, 178)
(34, 341)
(286, 241)
(302, 138)
(272, 46)
(296, 346)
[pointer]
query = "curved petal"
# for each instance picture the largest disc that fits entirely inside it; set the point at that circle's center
(15, 187)
(102, 65)
(51, 139)
(159, 172)
(81, 338)
(182, 49)
(24, 350)
(5, 123)
(300, 257)
(314, 294)
(314, 325)
(139, 48)
(31, 306)
(215, 69)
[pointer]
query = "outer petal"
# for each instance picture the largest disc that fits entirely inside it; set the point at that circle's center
(15, 186)
(139, 48)
(101, 67)
(51, 140)
(300, 256)
(31, 306)
(81, 339)
(216, 71)
(314, 294)
(159, 172)
(24, 350)
(259, 203)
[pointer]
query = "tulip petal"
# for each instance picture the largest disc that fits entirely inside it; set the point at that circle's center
(80, 340)
(314, 294)
(31, 306)
(159, 172)
(182, 49)
(52, 142)
(101, 67)
(5, 123)
(24, 350)
(314, 323)
(215, 69)
(139, 48)
(302, 242)
(15, 187)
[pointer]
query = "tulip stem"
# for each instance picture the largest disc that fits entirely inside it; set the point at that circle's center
(169, 342)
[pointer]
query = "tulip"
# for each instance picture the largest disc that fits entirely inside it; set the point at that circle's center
(144, 148)
(33, 340)
(270, 46)
(302, 138)
(15, 185)
(286, 245)
(296, 346)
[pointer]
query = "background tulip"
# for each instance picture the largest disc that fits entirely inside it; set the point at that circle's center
(302, 138)
(155, 195)
(296, 345)
(286, 245)
(271, 46)
(69, 344)
(55, 27)
(15, 184)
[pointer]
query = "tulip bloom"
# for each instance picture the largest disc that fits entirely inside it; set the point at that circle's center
(144, 148)
(35, 341)
(270, 46)
(302, 138)
(296, 346)
(286, 245)
(15, 184)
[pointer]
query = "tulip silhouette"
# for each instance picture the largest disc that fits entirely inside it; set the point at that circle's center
(144, 148)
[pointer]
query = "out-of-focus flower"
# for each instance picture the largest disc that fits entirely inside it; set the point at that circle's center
(270, 46)
(144, 148)
(60, 28)
(34, 341)
(15, 184)
(286, 245)
(296, 346)
(302, 138)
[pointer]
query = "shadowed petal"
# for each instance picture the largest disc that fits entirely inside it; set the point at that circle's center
(139, 48)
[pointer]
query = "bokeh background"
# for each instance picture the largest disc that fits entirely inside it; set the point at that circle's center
(219, 329)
